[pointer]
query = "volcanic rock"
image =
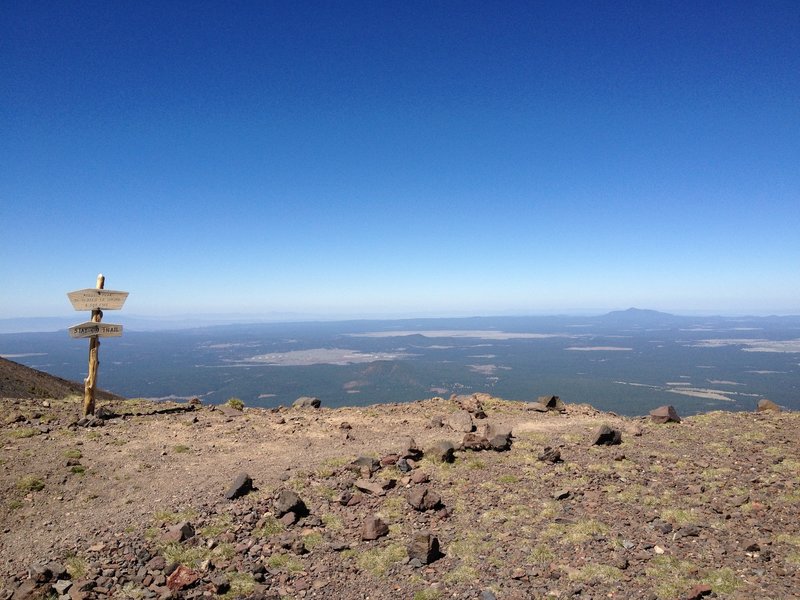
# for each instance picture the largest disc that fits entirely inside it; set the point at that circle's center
(423, 498)
(665, 414)
(288, 501)
(606, 436)
(441, 451)
(241, 486)
(307, 402)
(765, 405)
(459, 421)
(424, 547)
(373, 528)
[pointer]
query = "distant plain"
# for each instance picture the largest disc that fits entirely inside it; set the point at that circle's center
(627, 361)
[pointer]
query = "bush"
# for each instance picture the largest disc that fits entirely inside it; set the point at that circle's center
(235, 403)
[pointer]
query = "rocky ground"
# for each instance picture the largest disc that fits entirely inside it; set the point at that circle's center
(368, 503)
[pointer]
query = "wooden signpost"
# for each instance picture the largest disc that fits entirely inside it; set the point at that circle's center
(95, 299)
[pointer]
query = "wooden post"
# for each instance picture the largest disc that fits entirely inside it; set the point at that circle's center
(94, 346)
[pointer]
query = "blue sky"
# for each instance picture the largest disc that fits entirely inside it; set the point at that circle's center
(410, 158)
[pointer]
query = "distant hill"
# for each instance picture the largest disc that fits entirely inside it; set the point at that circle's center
(640, 316)
(19, 381)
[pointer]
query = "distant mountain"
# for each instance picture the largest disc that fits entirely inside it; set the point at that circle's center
(19, 381)
(641, 317)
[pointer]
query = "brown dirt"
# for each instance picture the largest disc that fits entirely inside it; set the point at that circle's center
(714, 500)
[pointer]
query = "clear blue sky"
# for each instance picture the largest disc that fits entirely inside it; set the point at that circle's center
(403, 158)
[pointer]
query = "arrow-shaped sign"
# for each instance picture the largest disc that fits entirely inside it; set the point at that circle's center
(90, 328)
(92, 298)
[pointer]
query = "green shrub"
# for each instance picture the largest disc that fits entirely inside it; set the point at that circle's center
(235, 403)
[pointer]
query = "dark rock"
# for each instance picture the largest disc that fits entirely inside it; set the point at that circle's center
(765, 405)
(419, 477)
(288, 501)
(550, 455)
(441, 451)
(25, 591)
(376, 488)
(220, 584)
(403, 466)
(61, 586)
(389, 460)
(460, 421)
(409, 449)
(307, 402)
(552, 403)
(665, 414)
(182, 578)
(373, 528)
(536, 407)
(179, 533)
(606, 436)
(701, 590)
(288, 519)
(40, 573)
(561, 495)
(475, 441)
(487, 595)
(424, 547)
(241, 486)
(423, 498)
(364, 462)
(471, 404)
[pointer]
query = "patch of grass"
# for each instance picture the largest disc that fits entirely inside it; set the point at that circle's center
(285, 563)
(76, 566)
(29, 483)
(269, 527)
(462, 574)
(723, 581)
(469, 547)
(669, 575)
(508, 479)
(541, 555)
(576, 533)
(23, 432)
(218, 525)
(73, 454)
(180, 449)
(190, 556)
(131, 591)
(788, 466)
(14, 504)
(393, 508)
(596, 573)
(378, 560)
(235, 403)
(174, 517)
(119, 442)
(242, 585)
(475, 463)
(678, 516)
(332, 522)
(312, 540)
(427, 594)
(78, 469)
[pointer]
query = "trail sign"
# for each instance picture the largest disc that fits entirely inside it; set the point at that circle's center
(97, 299)
(90, 328)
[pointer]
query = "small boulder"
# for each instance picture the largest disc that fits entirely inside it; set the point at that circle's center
(179, 533)
(408, 449)
(373, 528)
(364, 463)
(182, 578)
(424, 547)
(307, 402)
(536, 407)
(552, 403)
(375, 488)
(550, 455)
(241, 486)
(460, 421)
(665, 414)
(606, 436)
(441, 451)
(288, 501)
(423, 498)
(765, 405)
(475, 441)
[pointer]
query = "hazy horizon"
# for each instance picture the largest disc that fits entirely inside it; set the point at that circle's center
(362, 159)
